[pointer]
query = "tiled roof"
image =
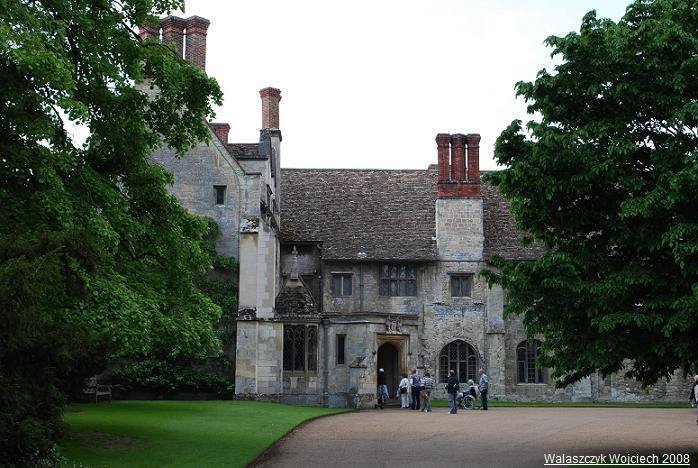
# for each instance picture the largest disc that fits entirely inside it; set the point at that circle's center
(387, 214)
(244, 150)
(501, 236)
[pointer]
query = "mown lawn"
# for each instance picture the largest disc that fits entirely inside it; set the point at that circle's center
(177, 433)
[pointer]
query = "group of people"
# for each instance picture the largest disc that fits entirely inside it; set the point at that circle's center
(415, 391)
(453, 385)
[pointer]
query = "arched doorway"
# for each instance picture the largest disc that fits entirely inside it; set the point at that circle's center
(388, 360)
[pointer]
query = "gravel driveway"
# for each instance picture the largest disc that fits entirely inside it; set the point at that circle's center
(512, 437)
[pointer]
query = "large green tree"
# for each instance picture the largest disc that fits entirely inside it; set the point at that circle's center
(96, 257)
(606, 179)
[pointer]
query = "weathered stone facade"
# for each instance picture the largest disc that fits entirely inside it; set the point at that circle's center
(343, 272)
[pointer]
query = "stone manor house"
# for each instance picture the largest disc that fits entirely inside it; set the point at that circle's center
(344, 271)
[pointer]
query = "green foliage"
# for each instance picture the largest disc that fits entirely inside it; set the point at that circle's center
(162, 373)
(221, 285)
(607, 181)
(96, 257)
(166, 377)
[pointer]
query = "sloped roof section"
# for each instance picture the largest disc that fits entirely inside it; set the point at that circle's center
(502, 238)
(384, 214)
(244, 150)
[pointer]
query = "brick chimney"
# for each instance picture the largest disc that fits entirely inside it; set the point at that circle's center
(197, 28)
(270, 107)
(221, 130)
(456, 179)
(173, 32)
(473, 157)
(458, 156)
(149, 31)
(443, 148)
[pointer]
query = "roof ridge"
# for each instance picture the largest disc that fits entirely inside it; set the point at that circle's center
(363, 169)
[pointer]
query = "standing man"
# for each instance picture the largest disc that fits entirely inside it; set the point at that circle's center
(452, 388)
(416, 387)
(484, 386)
(427, 385)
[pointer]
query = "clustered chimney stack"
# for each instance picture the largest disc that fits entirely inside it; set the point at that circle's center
(197, 28)
(270, 107)
(459, 176)
(173, 32)
(221, 130)
(176, 30)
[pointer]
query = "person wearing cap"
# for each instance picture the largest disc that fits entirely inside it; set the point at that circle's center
(382, 388)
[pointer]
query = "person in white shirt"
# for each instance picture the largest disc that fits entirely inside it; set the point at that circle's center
(404, 396)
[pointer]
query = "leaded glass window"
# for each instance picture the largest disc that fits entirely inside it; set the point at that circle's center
(398, 280)
(461, 357)
(300, 348)
(526, 355)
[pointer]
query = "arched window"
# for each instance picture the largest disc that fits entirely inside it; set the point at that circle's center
(526, 355)
(459, 356)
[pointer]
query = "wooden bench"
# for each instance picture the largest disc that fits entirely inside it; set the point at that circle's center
(93, 387)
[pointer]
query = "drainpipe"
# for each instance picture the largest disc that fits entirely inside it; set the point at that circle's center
(361, 287)
(326, 362)
(361, 254)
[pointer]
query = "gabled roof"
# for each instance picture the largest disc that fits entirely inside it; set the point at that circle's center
(385, 214)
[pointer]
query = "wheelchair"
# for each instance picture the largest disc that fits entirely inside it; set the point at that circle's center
(467, 401)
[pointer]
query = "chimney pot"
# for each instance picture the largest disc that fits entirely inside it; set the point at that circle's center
(197, 29)
(270, 107)
(221, 130)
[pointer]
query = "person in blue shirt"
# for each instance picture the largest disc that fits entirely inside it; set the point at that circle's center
(484, 386)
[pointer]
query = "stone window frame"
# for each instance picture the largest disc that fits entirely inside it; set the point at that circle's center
(300, 349)
(341, 349)
(219, 192)
(395, 283)
(344, 278)
(527, 373)
(460, 356)
(455, 277)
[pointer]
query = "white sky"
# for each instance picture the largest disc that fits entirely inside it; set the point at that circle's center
(369, 84)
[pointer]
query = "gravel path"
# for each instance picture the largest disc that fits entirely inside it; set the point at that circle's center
(510, 437)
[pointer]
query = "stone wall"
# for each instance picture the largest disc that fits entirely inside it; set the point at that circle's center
(459, 228)
(196, 174)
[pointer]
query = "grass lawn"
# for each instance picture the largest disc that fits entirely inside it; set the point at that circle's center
(177, 433)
